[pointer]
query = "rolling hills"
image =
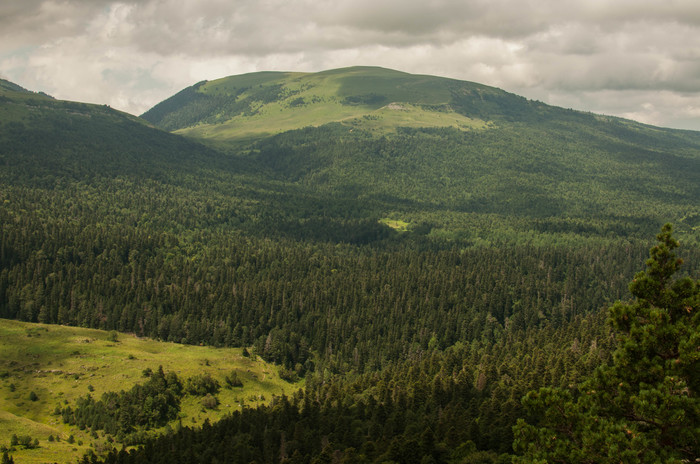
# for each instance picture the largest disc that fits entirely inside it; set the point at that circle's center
(423, 251)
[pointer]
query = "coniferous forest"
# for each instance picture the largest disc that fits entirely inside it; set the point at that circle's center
(447, 295)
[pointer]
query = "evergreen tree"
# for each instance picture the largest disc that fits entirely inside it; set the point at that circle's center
(644, 406)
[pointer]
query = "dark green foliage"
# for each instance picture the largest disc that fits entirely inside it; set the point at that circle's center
(24, 441)
(201, 385)
(423, 340)
(33, 396)
(6, 458)
(210, 401)
(151, 404)
(430, 407)
(517, 171)
(288, 374)
(370, 99)
(456, 405)
(232, 380)
(644, 406)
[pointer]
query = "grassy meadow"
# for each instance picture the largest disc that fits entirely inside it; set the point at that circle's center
(373, 99)
(59, 364)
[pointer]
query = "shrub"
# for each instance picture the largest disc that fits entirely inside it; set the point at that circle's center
(232, 380)
(24, 440)
(210, 401)
(288, 375)
(201, 385)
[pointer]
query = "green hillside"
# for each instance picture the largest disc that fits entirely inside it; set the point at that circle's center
(266, 103)
(448, 157)
(44, 139)
(421, 251)
(10, 86)
(61, 364)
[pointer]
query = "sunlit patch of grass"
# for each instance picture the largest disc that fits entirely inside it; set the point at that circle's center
(396, 224)
(60, 364)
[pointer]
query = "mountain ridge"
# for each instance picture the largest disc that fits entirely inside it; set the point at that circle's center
(421, 277)
(414, 142)
(265, 103)
(399, 155)
(226, 108)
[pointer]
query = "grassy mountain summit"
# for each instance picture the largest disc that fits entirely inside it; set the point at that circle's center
(373, 98)
(435, 151)
(422, 251)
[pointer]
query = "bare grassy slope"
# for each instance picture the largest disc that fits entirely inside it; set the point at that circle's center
(265, 103)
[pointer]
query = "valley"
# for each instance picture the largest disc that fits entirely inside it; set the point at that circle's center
(415, 266)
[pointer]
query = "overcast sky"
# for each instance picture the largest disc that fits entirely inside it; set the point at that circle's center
(633, 58)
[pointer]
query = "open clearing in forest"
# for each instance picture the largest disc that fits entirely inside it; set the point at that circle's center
(59, 364)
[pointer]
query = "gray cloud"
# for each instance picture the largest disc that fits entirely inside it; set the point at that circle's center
(626, 57)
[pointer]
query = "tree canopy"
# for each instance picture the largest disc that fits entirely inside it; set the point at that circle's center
(643, 407)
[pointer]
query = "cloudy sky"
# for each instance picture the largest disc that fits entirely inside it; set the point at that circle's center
(633, 58)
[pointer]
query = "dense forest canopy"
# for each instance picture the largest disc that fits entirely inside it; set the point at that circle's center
(422, 276)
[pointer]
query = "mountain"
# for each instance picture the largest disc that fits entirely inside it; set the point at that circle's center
(421, 251)
(376, 99)
(44, 137)
(420, 149)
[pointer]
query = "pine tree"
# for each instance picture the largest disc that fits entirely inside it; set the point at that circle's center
(644, 406)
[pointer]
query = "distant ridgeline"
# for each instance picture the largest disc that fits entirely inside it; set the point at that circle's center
(423, 250)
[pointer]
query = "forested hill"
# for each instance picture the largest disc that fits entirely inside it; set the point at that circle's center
(422, 263)
(450, 158)
(45, 140)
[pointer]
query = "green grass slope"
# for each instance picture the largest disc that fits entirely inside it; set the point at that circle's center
(266, 103)
(60, 364)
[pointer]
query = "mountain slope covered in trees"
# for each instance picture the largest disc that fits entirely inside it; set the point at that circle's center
(399, 145)
(396, 240)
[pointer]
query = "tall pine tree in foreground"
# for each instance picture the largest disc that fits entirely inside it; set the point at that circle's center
(644, 407)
